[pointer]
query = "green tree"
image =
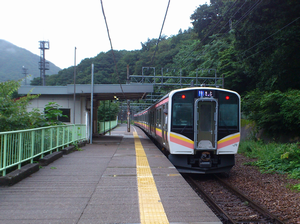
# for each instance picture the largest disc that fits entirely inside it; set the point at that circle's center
(108, 111)
(13, 111)
(52, 113)
(276, 112)
(14, 114)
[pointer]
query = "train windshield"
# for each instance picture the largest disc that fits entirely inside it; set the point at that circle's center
(182, 109)
(228, 110)
(228, 115)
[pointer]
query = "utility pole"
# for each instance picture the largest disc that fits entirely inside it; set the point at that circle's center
(25, 73)
(128, 103)
(74, 96)
(92, 105)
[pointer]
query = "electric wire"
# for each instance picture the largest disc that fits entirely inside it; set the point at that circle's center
(160, 32)
(204, 51)
(201, 41)
(233, 26)
(112, 50)
(248, 12)
(269, 36)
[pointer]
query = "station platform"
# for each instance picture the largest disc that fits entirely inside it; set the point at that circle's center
(121, 178)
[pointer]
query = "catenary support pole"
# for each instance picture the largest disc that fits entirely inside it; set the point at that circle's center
(74, 86)
(92, 99)
(128, 103)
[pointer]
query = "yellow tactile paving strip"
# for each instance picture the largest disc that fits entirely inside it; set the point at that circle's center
(151, 208)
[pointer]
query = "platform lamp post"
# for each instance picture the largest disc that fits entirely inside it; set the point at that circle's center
(128, 103)
(92, 99)
(74, 86)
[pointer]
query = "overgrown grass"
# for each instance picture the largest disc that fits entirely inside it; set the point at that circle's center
(245, 122)
(274, 157)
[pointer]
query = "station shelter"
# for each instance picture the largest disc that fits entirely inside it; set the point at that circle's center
(80, 111)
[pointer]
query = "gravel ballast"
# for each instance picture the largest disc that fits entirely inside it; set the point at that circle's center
(269, 190)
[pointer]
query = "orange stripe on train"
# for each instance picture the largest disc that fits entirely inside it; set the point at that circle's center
(229, 141)
(181, 141)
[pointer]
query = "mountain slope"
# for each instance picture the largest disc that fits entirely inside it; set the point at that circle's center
(12, 60)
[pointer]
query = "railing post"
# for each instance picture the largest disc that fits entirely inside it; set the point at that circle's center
(73, 133)
(57, 136)
(69, 135)
(32, 145)
(43, 143)
(20, 150)
(51, 135)
(4, 155)
(63, 141)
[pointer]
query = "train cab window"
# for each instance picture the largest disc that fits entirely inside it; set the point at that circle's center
(182, 109)
(228, 110)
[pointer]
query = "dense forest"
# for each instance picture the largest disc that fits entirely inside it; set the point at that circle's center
(254, 44)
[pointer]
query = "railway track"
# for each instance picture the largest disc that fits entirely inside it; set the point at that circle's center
(228, 202)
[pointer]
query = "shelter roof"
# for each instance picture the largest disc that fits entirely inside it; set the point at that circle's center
(100, 91)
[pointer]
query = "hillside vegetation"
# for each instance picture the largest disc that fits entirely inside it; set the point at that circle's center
(254, 44)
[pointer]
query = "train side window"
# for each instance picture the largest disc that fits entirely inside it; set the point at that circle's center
(165, 115)
(158, 117)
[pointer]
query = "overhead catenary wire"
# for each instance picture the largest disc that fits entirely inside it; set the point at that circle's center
(201, 41)
(235, 24)
(269, 37)
(248, 12)
(112, 50)
(160, 32)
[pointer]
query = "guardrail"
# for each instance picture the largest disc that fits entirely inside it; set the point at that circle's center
(20, 147)
(105, 126)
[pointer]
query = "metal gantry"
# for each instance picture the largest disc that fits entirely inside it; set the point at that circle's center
(173, 77)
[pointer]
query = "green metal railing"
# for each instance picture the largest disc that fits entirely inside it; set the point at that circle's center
(17, 147)
(105, 126)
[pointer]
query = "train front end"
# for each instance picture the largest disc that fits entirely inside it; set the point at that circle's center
(204, 126)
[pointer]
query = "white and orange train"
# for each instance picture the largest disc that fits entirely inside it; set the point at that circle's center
(198, 128)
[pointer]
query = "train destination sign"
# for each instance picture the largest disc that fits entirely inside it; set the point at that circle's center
(205, 93)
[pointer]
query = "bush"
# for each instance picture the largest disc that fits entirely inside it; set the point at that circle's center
(274, 157)
(13, 111)
(278, 113)
(107, 111)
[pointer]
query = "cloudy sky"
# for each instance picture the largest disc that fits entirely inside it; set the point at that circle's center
(67, 24)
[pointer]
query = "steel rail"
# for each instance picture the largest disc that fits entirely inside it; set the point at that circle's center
(223, 214)
(220, 212)
(252, 204)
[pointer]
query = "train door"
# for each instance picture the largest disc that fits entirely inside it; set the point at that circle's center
(151, 123)
(205, 133)
(165, 125)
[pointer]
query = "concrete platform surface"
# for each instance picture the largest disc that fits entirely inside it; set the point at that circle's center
(100, 185)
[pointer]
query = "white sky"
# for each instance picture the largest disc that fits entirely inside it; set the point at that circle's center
(67, 24)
